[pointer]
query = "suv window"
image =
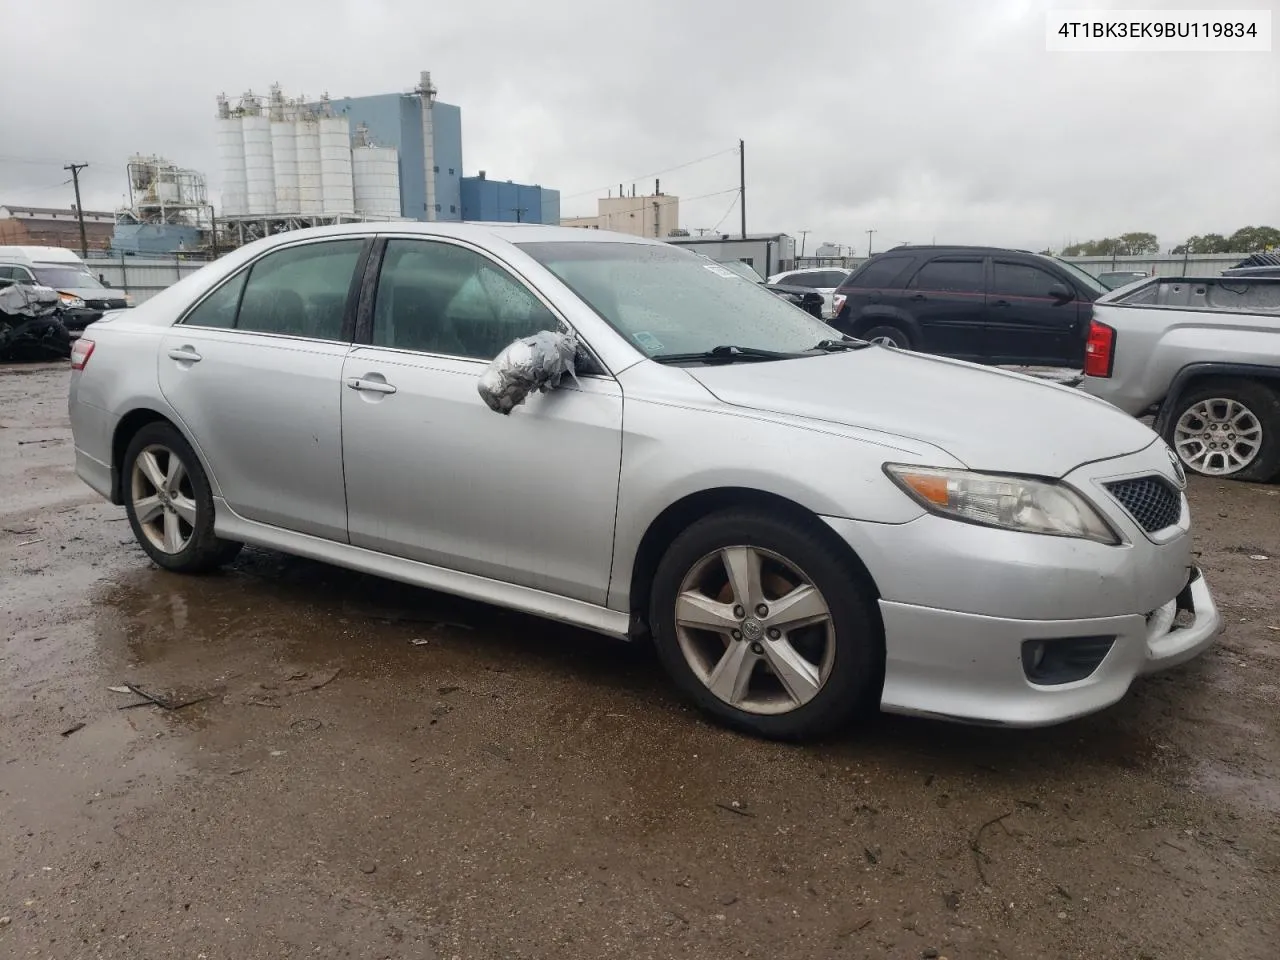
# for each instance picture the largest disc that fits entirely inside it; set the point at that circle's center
(879, 272)
(440, 298)
(833, 278)
(300, 291)
(1022, 280)
(218, 309)
(950, 276)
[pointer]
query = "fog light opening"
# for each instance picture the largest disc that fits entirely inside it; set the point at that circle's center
(1063, 660)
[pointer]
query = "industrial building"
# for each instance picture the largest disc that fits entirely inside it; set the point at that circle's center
(289, 162)
(765, 253)
(168, 209)
(656, 215)
(54, 227)
(506, 202)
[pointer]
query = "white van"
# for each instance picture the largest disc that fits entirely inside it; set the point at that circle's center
(84, 298)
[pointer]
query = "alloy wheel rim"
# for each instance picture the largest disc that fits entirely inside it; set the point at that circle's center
(755, 630)
(163, 499)
(1217, 437)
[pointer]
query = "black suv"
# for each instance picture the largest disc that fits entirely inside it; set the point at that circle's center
(984, 304)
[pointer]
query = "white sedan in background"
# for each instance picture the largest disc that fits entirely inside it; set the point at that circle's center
(823, 280)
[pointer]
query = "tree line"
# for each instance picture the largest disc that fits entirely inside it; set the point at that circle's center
(1244, 240)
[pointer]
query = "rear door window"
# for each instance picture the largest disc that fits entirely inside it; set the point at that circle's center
(218, 309)
(301, 291)
(879, 273)
(950, 276)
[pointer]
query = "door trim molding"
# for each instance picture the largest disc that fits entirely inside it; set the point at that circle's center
(231, 526)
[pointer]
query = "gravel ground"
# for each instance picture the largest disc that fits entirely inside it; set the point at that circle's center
(385, 772)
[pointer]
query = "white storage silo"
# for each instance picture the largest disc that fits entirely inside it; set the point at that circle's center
(231, 159)
(335, 166)
(284, 154)
(310, 190)
(376, 178)
(259, 167)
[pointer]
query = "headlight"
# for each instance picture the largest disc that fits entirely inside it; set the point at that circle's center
(1011, 503)
(71, 300)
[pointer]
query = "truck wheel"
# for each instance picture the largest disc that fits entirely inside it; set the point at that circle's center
(766, 627)
(889, 336)
(1227, 428)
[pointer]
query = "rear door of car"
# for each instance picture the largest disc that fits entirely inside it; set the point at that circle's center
(254, 371)
(1026, 322)
(946, 297)
(432, 473)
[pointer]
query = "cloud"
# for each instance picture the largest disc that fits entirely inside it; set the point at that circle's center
(919, 119)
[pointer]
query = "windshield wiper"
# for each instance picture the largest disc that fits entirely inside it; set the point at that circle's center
(727, 353)
(848, 343)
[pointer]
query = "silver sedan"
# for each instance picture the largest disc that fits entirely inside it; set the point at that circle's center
(623, 435)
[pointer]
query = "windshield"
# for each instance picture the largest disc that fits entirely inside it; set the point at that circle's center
(1087, 280)
(741, 269)
(65, 278)
(669, 301)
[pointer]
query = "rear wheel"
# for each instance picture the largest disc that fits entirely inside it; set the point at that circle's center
(1227, 428)
(170, 504)
(889, 336)
(767, 627)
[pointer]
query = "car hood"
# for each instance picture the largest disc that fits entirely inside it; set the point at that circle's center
(989, 419)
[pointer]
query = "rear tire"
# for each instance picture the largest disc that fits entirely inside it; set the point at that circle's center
(889, 336)
(1227, 429)
(799, 658)
(170, 504)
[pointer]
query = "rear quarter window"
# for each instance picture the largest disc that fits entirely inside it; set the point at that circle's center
(879, 272)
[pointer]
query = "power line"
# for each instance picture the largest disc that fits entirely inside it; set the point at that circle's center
(646, 176)
(732, 204)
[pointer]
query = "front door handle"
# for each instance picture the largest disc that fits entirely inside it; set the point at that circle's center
(370, 386)
(918, 297)
(1000, 303)
(186, 354)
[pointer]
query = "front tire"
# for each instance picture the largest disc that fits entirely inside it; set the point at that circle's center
(1227, 429)
(767, 627)
(170, 504)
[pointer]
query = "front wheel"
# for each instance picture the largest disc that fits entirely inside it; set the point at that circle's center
(170, 504)
(1227, 428)
(766, 626)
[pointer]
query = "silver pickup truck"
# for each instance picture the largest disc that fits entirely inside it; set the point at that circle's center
(1204, 356)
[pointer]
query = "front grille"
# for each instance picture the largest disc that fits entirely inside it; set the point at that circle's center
(105, 304)
(1152, 501)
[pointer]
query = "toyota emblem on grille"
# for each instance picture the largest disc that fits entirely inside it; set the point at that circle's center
(1177, 469)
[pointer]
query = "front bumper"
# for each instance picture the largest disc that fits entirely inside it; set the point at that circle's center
(959, 600)
(967, 667)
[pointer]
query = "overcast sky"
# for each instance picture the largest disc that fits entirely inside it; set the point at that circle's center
(920, 119)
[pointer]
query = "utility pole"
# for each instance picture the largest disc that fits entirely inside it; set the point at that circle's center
(742, 185)
(869, 233)
(75, 169)
(803, 235)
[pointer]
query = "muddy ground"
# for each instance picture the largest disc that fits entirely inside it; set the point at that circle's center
(514, 789)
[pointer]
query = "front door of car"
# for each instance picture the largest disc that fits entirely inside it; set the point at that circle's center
(254, 372)
(945, 297)
(1032, 316)
(433, 474)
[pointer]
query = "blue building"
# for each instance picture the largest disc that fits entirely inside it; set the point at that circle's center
(398, 120)
(507, 202)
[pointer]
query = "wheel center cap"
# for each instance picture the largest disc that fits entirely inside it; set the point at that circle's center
(752, 629)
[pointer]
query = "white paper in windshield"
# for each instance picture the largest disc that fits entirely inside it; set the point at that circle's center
(720, 271)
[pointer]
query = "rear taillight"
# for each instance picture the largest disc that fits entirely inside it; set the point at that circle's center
(81, 351)
(837, 303)
(1099, 350)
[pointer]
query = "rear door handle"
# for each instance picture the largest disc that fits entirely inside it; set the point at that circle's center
(186, 354)
(370, 386)
(1000, 303)
(919, 296)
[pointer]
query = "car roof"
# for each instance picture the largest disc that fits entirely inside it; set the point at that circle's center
(28, 254)
(951, 248)
(468, 230)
